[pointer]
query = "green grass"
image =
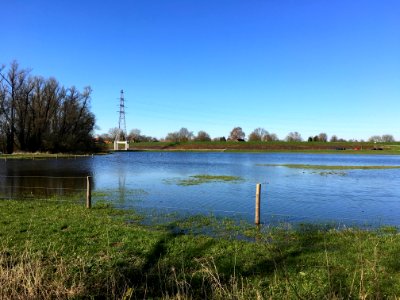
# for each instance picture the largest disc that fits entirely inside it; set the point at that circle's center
(248, 147)
(277, 146)
(327, 167)
(51, 250)
(39, 155)
(203, 178)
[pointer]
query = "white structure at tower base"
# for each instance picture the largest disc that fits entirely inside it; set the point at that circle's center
(125, 143)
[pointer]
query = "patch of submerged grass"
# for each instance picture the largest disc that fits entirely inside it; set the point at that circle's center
(327, 167)
(111, 195)
(203, 178)
(328, 173)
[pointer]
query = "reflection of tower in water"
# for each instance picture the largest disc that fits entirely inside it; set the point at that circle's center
(120, 195)
(121, 187)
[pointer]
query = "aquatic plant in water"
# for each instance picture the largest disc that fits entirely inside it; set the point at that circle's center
(203, 178)
(327, 167)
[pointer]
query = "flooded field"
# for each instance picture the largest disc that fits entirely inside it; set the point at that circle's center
(345, 189)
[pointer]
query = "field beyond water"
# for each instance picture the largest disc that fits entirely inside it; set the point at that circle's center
(279, 146)
(58, 250)
(231, 146)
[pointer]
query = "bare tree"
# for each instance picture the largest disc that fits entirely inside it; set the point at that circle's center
(44, 105)
(322, 137)
(294, 137)
(219, 139)
(134, 135)
(270, 137)
(237, 134)
(334, 139)
(258, 134)
(387, 138)
(12, 85)
(375, 139)
(113, 133)
(105, 137)
(39, 115)
(3, 110)
(172, 137)
(202, 136)
(75, 121)
(185, 135)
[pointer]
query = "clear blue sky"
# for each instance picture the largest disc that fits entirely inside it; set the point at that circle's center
(285, 65)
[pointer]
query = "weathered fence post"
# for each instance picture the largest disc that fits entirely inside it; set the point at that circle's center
(257, 212)
(88, 192)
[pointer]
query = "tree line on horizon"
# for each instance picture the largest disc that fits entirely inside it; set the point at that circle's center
(237, 134)
(38, 114)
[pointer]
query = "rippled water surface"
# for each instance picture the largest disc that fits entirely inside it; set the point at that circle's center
(150, 181)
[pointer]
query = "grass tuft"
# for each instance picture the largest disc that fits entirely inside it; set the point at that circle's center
(203, 178)
(327, 167)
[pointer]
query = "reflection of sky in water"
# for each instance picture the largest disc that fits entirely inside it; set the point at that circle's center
(141, 179)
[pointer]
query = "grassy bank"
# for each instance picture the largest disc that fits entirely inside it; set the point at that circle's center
(230, 146)
(279, 146)
(61, 250)
(39, 155)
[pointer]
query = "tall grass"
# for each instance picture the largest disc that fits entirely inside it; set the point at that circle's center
(29, 275)
(63, 251)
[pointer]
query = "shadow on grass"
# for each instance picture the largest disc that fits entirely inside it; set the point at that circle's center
(108, 254)
(198, 260)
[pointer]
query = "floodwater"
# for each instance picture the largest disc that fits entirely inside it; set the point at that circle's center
(149, 181)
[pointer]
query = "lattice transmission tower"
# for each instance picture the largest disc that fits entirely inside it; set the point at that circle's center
(121, 125)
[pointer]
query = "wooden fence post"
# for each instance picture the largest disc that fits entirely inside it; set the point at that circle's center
(88, 192)
(258, 196)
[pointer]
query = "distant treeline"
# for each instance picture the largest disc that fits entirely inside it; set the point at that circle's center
(38, 114)
(237, 134)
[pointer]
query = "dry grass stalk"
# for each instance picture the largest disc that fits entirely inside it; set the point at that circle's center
(28, 276)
